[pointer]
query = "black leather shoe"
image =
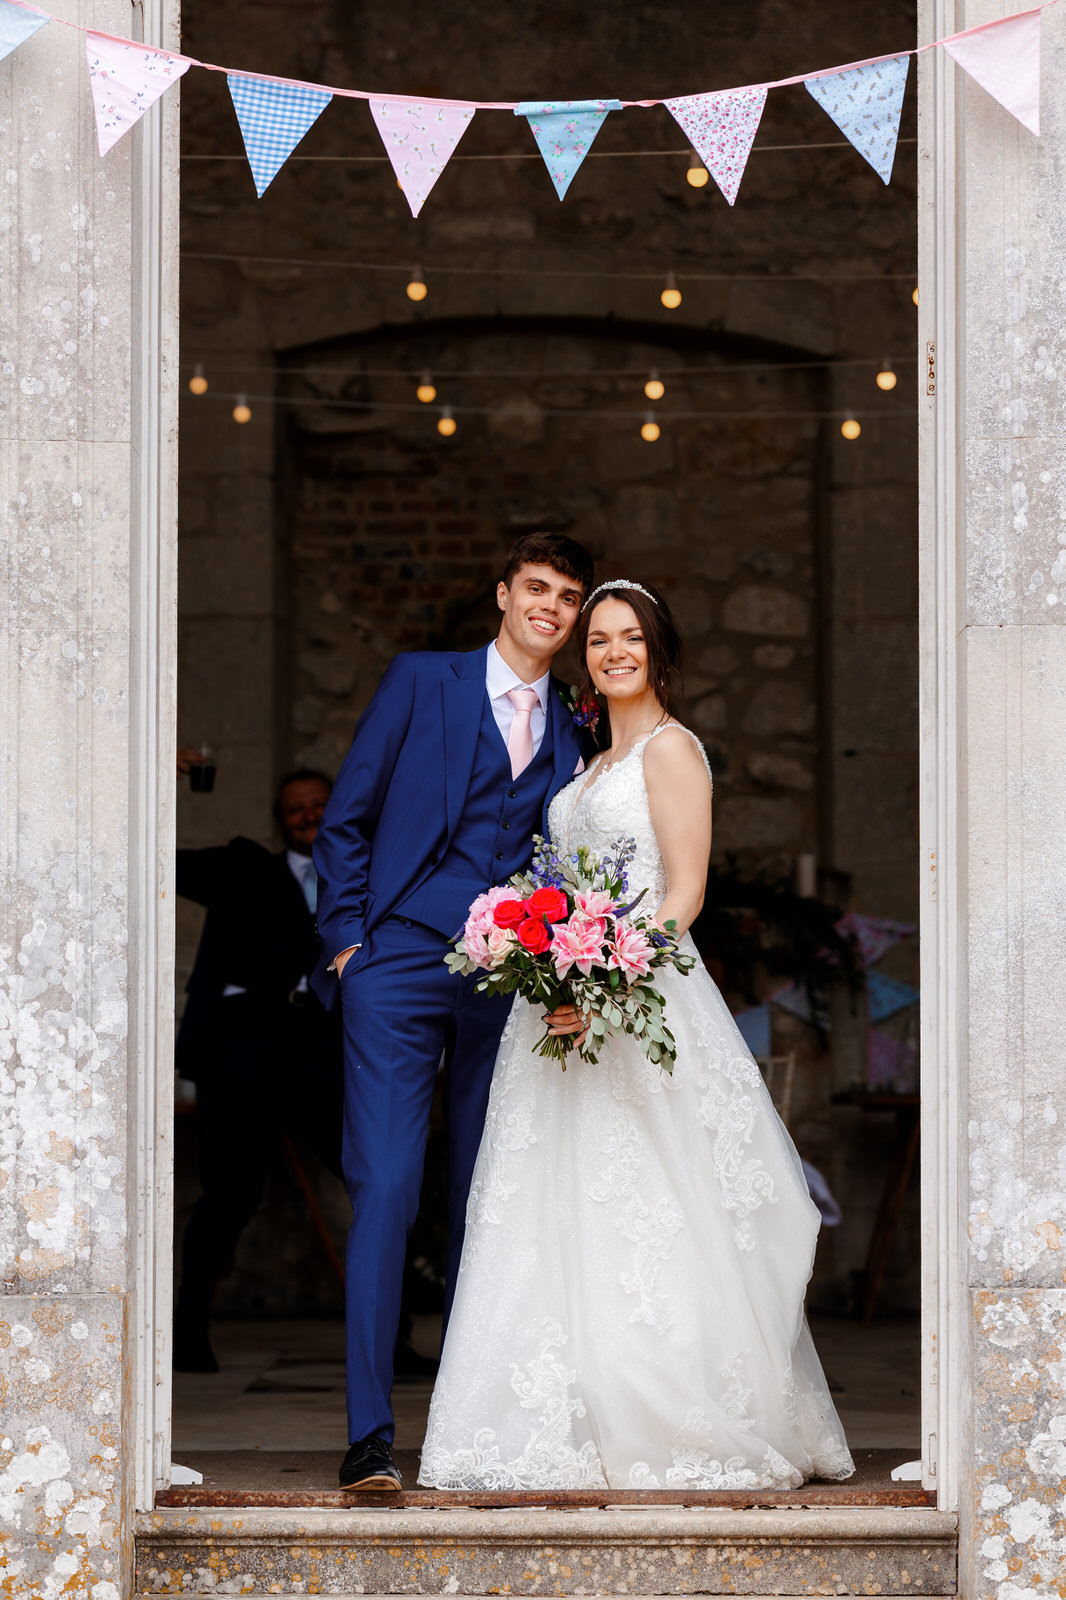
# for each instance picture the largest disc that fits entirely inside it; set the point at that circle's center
(369, 1465)
(410, 1367)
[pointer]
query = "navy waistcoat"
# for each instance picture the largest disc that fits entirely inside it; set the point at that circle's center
(492, 840)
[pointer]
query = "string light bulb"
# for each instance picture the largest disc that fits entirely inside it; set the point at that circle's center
(427, 389)
(914, 295)
(198, 383)
(650, 430)
(886, 378)
(654, 388)
(416, 287)
(671, 295)
(242, 411)
(697, 173)
(850, 428)
(446, 423)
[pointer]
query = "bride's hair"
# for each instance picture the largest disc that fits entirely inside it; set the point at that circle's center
(662, 639)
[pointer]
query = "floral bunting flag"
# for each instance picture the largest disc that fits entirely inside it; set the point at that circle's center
(126, 81)
(17, 24)
(887, 996)
(865, 104)
(721, 129)
(419, 140)
(564, 131)
(873, 935)
(274, 118)
(1004, 59)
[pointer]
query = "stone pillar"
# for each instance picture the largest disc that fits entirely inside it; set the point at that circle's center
(87, 595)
(996, 492)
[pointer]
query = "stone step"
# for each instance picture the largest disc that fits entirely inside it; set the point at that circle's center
(631, 1550)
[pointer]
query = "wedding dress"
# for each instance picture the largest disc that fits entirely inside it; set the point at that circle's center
(629, 1307)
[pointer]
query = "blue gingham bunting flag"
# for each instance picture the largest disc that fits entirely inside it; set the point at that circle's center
(865, 104)
(17, 25)
(274, 118)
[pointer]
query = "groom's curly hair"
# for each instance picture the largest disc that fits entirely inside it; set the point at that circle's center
(553, 550)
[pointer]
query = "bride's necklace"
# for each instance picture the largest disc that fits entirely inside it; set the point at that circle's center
(613, 760)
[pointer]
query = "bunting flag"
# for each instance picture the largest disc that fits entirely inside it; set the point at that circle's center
(17, 25)
(794, 999)
(126, 81)
(564, 131)
(721, 129)
(873, 935)
(274, 118)
(887, 996)
(865, 104)
(419, 141)
(1004, 58)
(892, 1062)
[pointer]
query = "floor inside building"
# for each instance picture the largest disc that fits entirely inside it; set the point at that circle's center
(270, 1425)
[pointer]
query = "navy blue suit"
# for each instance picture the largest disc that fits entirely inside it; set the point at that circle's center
(424, 816)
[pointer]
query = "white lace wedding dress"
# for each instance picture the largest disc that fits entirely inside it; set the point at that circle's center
(629, 1309)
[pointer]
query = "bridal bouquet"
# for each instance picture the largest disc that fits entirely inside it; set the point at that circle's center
(563, 934)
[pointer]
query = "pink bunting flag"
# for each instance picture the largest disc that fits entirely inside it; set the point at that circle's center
(126, 81)
(1004, 59)
(419, 141)
(721, 129)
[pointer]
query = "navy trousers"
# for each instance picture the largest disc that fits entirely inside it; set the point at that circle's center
(403, 1010)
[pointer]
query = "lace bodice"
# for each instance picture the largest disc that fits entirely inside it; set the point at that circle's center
(605, 804)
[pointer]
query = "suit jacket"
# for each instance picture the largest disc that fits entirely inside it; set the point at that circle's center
(258, 933)
(400, 792)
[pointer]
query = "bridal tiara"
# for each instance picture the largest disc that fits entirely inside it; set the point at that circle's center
(619, 583)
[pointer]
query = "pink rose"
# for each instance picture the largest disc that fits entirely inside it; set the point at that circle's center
(630, 951)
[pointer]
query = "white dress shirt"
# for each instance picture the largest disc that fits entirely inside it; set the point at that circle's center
(500, 679)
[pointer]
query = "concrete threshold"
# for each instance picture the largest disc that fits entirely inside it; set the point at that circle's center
(632, 1550)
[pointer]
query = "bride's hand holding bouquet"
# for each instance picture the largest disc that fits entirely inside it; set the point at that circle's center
(564, 935)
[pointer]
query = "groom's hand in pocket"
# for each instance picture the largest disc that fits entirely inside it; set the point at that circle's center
(567, 1020)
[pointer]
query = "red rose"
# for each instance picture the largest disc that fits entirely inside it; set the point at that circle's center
(550, 903)
(533, 936)
(509, 913)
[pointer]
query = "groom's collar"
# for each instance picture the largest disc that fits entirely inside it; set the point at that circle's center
(501, 678)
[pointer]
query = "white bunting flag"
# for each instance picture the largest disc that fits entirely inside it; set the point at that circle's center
(419, 140)
(1004, 59)
(126, 81)
(274, 118)
(17, 24)
(721, 129)
(865, 104)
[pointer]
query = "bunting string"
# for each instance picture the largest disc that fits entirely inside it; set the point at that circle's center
(863, 98)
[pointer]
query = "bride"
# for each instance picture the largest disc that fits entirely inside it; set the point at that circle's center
(629, 1307)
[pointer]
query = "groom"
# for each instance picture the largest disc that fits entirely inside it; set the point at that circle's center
(451, 770)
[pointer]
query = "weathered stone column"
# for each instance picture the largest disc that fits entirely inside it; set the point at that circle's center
(84, 487)
(996, 491)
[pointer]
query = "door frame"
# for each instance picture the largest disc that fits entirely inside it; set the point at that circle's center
(153, 675)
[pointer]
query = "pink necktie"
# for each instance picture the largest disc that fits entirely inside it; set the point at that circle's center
(520, 738)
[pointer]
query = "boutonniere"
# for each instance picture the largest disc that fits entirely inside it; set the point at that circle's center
(584, 709)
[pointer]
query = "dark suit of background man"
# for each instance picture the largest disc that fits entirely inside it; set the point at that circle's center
(449, 775)
(263, 1052)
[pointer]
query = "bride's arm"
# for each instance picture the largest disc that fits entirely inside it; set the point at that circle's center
(679, 797)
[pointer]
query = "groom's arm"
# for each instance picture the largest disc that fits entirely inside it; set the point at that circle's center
(342, 845)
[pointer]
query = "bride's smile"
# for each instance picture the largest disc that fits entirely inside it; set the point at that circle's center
(616, 653)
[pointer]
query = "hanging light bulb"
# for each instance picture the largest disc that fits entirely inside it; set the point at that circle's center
(886, 378)
(697, 173)
(416, 288)
(446, 423)
(914, 296)
(242, 411)
(655, 388)
(198, 383)
(850, 429)
(651, 430)
(427, 389)
(671, 295)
